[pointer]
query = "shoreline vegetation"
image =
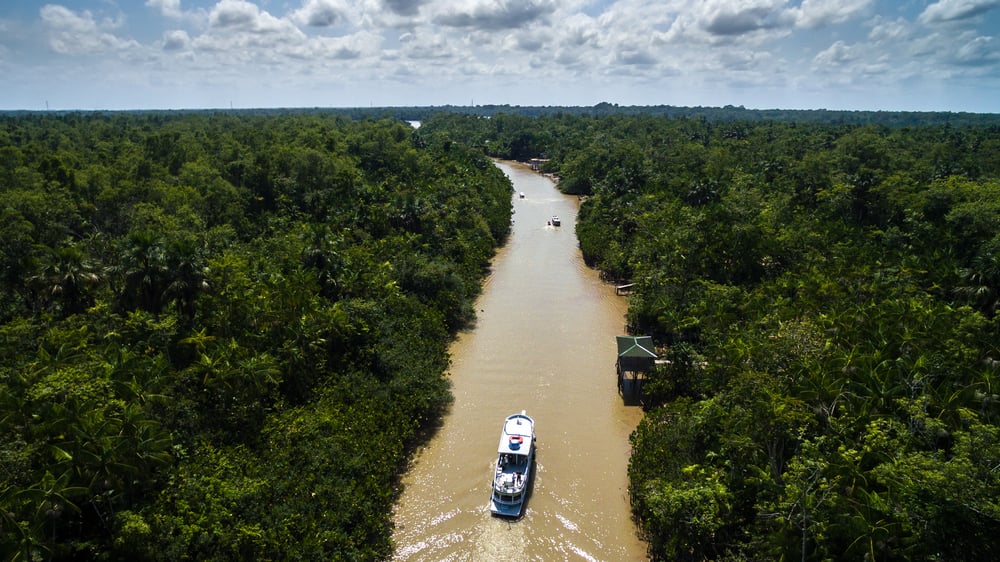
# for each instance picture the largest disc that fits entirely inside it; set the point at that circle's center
(224, 332)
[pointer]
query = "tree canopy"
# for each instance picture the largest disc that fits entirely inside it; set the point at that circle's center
(826, 297)
(221, 334)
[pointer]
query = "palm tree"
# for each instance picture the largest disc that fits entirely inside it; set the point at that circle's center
(65, 278)
(185, 277)
(143, 267)
(981, 282)
(48, 501)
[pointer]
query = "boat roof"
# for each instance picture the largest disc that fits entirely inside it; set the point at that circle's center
(520, 425)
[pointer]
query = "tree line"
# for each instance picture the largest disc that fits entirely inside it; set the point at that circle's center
(826, 295)
(728, 113)
(222, 334)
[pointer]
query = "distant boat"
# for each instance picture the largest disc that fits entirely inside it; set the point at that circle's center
(516, 456)
(555, 221)
(521, 195)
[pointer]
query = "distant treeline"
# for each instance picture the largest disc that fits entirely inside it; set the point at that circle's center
(221, 333)
(725, 113)
(604, 109)
(827, 298)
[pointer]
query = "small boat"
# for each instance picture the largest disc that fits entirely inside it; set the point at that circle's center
(555, 221)
(521, 195)
(515, 460)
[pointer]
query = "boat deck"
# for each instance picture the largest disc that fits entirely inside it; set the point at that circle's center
(511, 471)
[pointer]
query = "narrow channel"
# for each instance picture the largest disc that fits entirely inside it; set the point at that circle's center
(544, 342)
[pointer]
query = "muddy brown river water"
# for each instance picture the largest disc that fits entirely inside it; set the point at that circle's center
(544, 342)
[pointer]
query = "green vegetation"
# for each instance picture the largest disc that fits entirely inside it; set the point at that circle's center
(220, 334)
(827, 295)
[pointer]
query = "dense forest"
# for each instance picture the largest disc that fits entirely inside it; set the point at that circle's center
(826, 295)
(221, 334)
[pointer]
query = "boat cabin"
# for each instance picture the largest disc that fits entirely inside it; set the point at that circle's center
(515, 453)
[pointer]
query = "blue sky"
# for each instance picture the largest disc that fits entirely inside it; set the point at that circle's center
(941, 55)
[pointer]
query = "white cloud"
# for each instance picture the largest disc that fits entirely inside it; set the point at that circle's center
(528, 42)
(426, 47)
(980, 51)
(579, 31)
(745, 61)
(837, 55)
(725, 17)
(956, 10)
(168, 8)
(711, 50)
(885, 32)
(695, 25)
(817, 13)
(492, 14)
(72, 33)
(637, 57)
(321, 13)
(176, 40)
(235, 13)
(404, 7)
(243, 16)
(352, 47)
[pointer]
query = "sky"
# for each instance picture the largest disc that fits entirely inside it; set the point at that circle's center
(880, 55)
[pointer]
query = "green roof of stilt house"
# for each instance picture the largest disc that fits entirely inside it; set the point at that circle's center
(635, 353)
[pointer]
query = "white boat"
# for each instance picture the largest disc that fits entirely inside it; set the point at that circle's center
(521, 195)
(555, 221)
(515, 460)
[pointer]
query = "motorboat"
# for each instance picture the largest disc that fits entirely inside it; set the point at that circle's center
(555, 221)
(521, 195)
(515, 461)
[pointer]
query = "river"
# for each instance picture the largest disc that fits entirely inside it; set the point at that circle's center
(544, 342)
